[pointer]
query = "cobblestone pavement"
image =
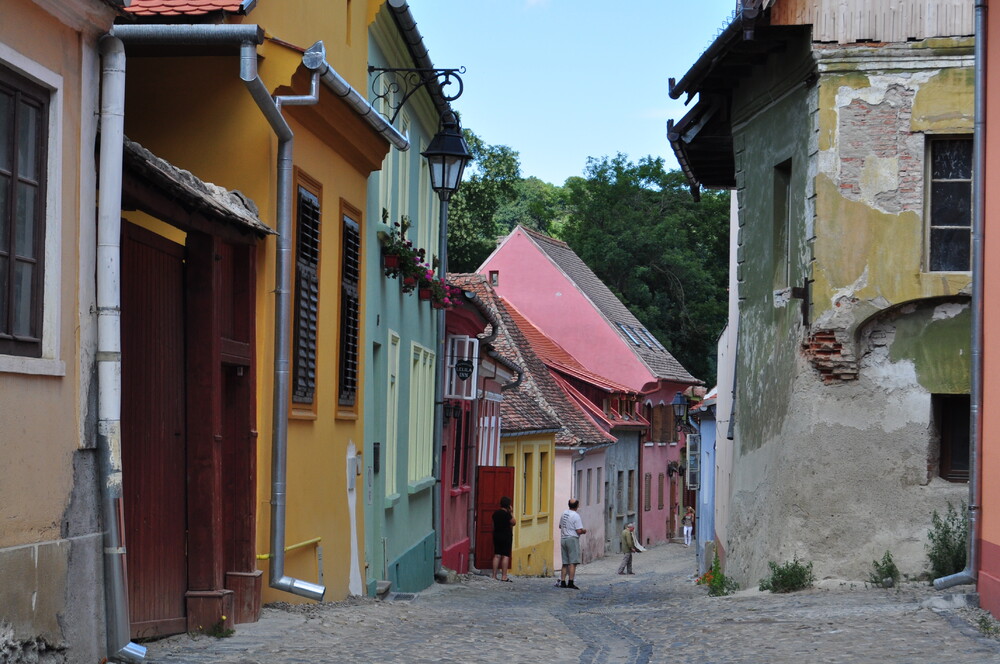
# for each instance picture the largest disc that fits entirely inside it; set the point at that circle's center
(657, 615)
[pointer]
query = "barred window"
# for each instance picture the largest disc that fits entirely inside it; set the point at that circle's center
(23, 156)
(306, 297)
(350, 276)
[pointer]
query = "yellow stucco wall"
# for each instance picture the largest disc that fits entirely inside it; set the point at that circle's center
(533, 458)
(197, 114)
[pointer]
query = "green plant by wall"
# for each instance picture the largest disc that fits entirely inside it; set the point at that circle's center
(884, 572)
(791, 576)
(718, 583)
(947, 541)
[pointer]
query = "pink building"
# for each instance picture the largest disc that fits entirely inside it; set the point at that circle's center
(554, 289)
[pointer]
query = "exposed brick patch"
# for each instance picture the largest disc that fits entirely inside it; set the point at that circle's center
(830, 356)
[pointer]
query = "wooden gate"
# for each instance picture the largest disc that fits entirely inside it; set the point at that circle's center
(492, 483)
(153, 431)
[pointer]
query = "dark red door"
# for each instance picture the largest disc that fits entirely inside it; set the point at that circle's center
(153, 431)
(492, 483)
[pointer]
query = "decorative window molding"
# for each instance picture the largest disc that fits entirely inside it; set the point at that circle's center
(462, 364)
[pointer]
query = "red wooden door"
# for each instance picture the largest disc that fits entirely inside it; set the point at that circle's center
(153, 432)
(492, 483)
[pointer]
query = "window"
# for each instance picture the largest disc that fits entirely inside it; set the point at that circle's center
(543, 483)
(392, 416)
(527, 483)
(421, 397)
(589, 478)
(781, 227)
(24, 117)
(460, 444)
(579, 483)
(598, 487)
(350, 277)
(631, 491)
(659, 492)
(949, 239)
(951, 419)
(647, 492)
(307, 237)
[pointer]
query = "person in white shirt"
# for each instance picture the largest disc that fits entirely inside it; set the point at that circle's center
(570, 529)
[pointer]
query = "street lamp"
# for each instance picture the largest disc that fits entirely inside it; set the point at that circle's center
(680, 406)
(447, 156)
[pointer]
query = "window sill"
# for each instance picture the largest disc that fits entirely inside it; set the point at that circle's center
(391, 500)
(459, 490)
(32, 366)
(417, 487)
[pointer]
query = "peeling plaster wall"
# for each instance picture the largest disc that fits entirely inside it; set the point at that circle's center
(833, 431)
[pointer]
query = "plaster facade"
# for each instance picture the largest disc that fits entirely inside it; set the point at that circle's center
(51, 565)
(835, 450)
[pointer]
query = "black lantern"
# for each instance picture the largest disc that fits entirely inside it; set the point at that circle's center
(447, 156)
(680, 406)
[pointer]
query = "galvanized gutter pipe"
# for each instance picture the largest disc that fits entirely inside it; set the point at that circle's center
(971, 572)
(248, 37)
(315, 60)
(109, 386)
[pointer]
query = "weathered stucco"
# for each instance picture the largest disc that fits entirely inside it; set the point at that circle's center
(835, 449)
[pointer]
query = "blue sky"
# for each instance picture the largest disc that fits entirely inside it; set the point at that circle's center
(562, 80)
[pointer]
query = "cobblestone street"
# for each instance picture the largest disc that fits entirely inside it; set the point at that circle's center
(657, 615)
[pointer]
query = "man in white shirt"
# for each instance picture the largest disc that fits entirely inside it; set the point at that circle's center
(570, 529)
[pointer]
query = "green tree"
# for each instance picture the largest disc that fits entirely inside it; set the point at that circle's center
(491, 183)
(539, 205)
(665, 256)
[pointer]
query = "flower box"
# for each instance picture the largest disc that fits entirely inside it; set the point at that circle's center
(424, 293)
(391, 261)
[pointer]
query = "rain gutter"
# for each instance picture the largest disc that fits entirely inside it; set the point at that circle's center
(109, 385)
(971, 571)
(248, 37)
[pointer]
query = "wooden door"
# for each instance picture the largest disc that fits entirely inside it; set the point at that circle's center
(153, 431)
(492, 483)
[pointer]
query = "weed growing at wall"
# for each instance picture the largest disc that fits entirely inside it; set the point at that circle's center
(947, 541)
(789, 577)
(718, 583)
(884, 572)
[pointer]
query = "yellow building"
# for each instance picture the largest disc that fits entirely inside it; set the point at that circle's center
(532, 456)
(281, 514)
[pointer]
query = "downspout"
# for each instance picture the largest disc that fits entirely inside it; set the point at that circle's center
(971, 571)
(248, 37)
(271, 108)
(109, 373)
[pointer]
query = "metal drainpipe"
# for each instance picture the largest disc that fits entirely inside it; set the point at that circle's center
(109, 205)
(248, 37)
(971, 571)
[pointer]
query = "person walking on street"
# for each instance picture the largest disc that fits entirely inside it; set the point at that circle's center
(688, 523)
(503, 537)
(628, 548)
(570, 529)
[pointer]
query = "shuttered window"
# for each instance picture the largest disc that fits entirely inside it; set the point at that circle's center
(23, 157)
(306, 297)
(647, 491)
(350, 276)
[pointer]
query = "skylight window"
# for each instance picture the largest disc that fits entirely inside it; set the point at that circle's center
(628, 332)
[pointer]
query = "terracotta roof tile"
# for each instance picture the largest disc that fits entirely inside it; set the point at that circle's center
(182, 7)
(642, 343)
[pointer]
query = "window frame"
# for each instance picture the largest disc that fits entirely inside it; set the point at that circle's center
(349, 314)
(930, 142)
(302, 406)
(48, 361)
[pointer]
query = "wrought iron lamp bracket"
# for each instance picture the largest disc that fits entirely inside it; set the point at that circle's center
(395, 85)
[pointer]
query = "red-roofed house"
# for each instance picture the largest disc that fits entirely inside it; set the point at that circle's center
(554, 289)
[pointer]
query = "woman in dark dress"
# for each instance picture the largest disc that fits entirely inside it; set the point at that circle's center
(503, 537)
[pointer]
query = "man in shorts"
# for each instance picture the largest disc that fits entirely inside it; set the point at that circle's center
(570, 529)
